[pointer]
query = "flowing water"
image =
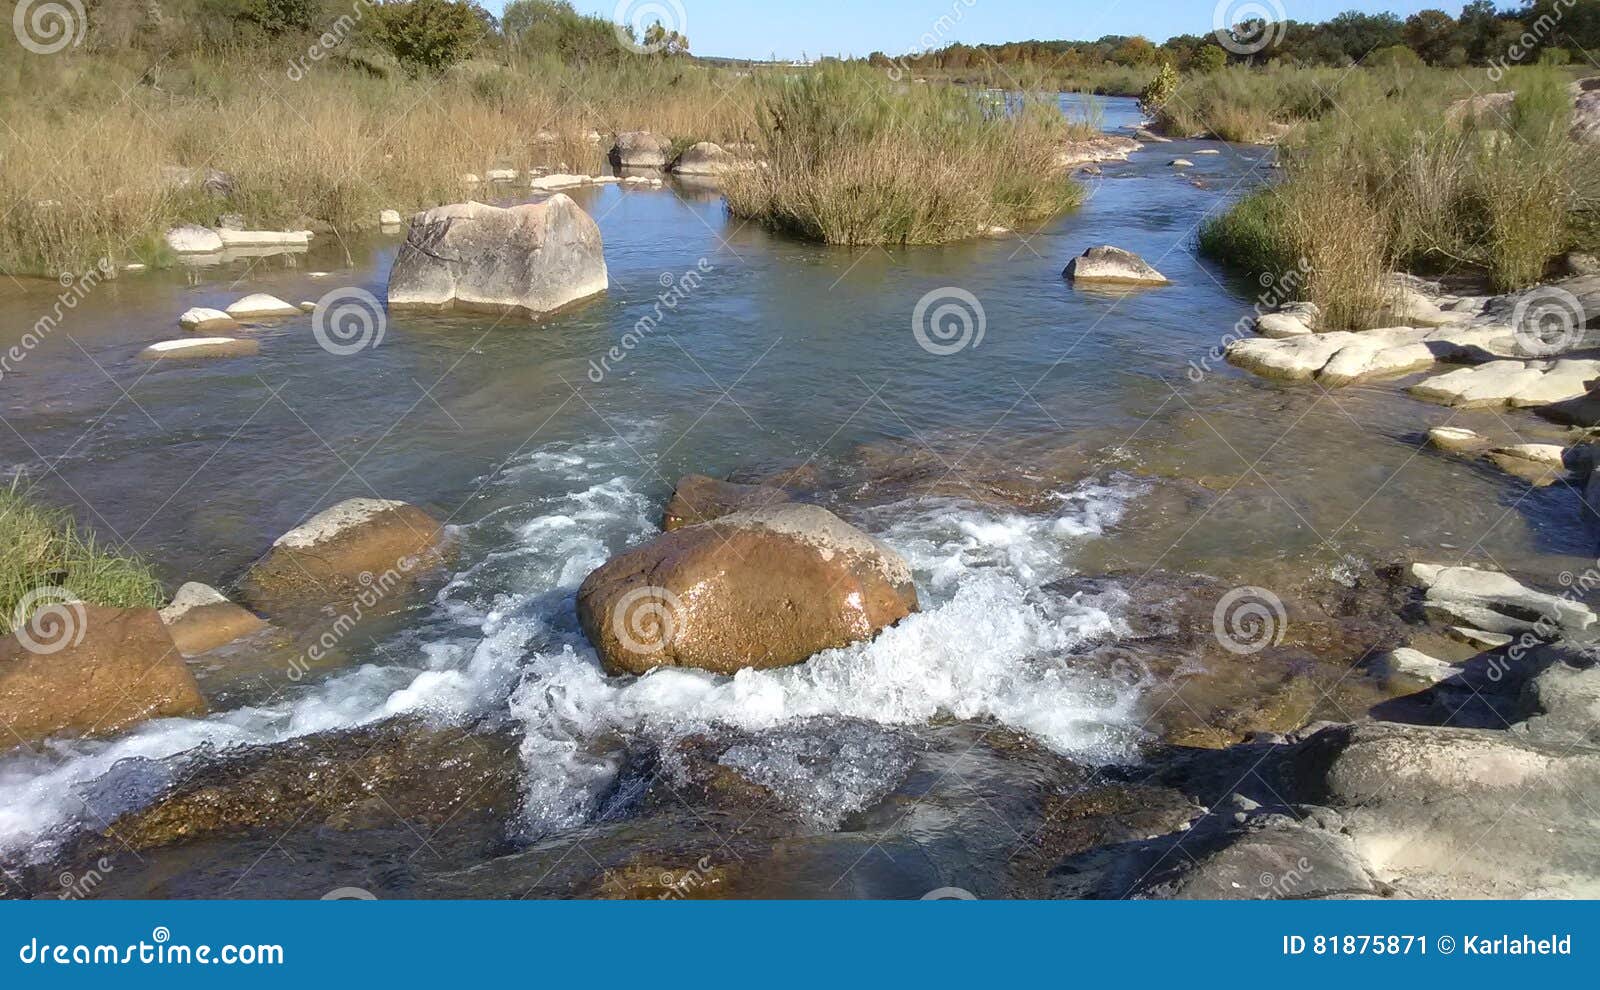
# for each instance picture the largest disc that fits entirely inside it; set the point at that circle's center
(1042, 435)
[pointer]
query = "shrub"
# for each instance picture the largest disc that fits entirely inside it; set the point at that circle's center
(42, 548)
(1160, 90)
(851, 161)
(430, 35)
(1210, 58)
(1383, 186)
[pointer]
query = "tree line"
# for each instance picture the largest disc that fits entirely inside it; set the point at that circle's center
(1549, 31)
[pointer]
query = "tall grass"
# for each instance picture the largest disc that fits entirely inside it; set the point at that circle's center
(42, 548)
(1387, 182)
(88, 136)
(852, 159)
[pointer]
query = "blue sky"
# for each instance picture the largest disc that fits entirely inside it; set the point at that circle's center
(747, 29)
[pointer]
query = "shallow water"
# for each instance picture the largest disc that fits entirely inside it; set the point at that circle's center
(1061, 432)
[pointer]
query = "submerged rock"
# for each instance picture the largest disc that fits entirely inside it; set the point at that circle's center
(759, 588)
(529, 259)
(698, 499)
(200, 618)
(361, 545)
(93, 670)
(395, 774)
(1112, 265)
(200, 347)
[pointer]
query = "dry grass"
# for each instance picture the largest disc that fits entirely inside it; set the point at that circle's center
(1387, 183)
(850, 159)
(89, 136)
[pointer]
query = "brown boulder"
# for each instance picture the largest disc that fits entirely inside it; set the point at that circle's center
(200, 619)
(760, 588)
(699, 499)
(91, 669)
(364, 547)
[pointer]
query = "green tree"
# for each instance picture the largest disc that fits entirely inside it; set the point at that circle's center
(1210, 58)
(665, 41)
(1432, 34)
(1161, 89)
(430, 35)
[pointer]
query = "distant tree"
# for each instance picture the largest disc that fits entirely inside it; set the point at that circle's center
(1210, 58)
(1431, 34)
(664, 41)
(1135, 51)
(1359, 35)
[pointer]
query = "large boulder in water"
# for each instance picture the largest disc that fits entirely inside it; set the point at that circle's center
(362, 547)
(1112, 265)
(91, 669)
(527, 259)
(705, 158)
(760, 588)
(639, 149)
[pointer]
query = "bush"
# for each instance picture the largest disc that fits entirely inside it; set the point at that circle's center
(1383, 186)
(430, 35)
(42, 548)
(850, 160)
(1210, 58)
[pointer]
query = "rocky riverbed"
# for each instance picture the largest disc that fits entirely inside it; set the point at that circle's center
(1047, 615)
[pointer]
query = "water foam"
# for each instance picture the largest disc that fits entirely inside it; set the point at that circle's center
(991, 642)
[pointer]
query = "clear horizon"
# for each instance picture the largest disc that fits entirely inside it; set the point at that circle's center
(734, 29)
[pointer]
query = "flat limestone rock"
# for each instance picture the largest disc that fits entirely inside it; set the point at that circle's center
(264, 238)
(1413, 664)
(1455, 439)
(202, 319)
(191, 239)
(200, 347)
(1497, 601)
(259, 304)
